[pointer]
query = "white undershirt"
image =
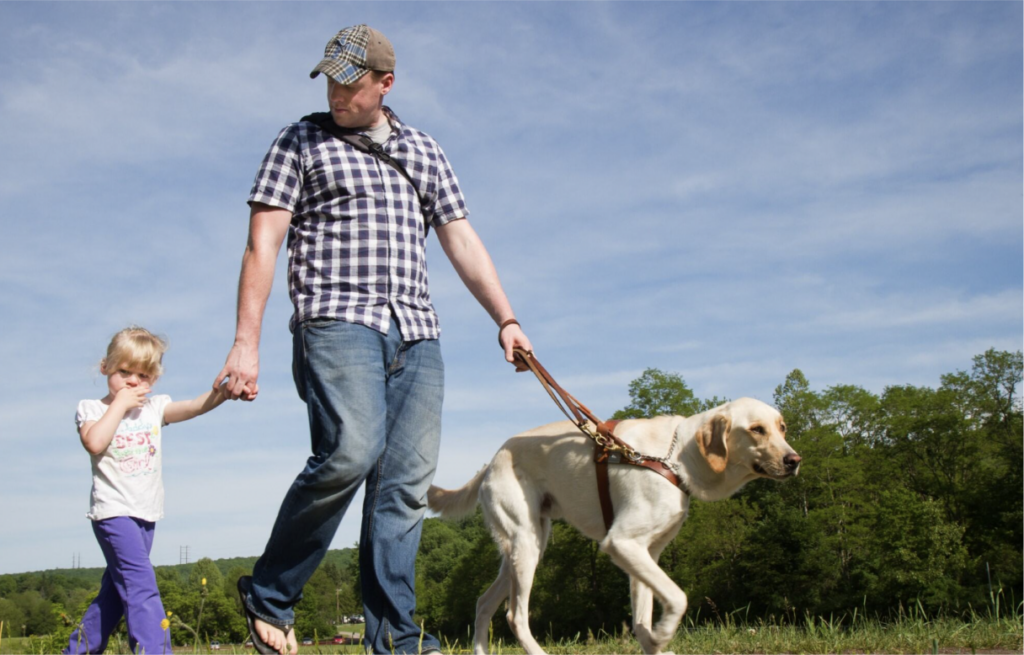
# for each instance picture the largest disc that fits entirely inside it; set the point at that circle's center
(381, 133)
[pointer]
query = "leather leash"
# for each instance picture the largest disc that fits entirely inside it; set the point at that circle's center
(607, 447)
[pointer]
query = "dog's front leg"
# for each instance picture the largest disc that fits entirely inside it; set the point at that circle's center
(634, 559)
(643, 609)
(643, 597)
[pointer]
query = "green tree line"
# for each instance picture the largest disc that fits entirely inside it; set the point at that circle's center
(911, 497)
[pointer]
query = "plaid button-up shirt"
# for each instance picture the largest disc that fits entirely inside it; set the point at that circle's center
(357, 240)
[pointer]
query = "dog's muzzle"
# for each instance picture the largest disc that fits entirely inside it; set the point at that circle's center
(792, 463)
(790, 467)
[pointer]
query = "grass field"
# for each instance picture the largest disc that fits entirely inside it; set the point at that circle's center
(910, 632)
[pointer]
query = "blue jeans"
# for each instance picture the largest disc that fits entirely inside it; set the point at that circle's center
(374, 404)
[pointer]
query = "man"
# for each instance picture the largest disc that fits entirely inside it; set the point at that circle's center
(366, 356)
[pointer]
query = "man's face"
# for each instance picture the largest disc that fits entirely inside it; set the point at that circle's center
(358, 105)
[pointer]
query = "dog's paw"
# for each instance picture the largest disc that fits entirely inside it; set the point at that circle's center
(647, 645)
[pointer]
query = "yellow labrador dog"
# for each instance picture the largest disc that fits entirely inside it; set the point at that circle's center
(548, 473)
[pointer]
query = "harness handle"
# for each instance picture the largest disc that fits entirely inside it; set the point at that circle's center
(607, 445)
(573, 409)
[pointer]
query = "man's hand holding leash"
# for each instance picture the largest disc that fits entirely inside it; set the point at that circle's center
(510, 337)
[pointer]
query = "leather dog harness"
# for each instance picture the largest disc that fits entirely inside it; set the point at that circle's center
(607, 447)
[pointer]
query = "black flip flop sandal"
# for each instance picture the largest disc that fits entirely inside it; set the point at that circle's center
(244, 585)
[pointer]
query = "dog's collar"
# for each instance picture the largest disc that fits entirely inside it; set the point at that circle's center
(604, 456)
(663, 466)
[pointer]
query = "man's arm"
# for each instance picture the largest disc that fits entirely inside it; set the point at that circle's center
(267, 229)
(474, 266)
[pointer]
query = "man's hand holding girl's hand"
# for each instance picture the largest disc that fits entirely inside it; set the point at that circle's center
(238, 377)
(248, 394)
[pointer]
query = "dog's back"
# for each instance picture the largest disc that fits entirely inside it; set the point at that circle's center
(551, 469)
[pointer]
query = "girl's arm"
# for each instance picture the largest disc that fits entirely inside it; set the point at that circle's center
(97, 435)
(183, 410)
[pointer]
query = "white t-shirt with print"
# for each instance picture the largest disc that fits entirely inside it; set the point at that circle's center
(126, 477)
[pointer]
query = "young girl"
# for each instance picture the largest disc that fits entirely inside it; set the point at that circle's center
(122, 433)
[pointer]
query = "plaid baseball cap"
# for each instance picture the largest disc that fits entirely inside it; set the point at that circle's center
(355, 51)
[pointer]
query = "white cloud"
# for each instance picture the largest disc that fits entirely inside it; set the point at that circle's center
(902, 311)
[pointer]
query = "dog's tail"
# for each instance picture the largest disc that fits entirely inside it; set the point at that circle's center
(457, 502)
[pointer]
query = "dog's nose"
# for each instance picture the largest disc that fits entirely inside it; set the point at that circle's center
(791, 462)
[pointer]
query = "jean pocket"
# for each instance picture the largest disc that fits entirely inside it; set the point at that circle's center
(300, 364)
(317, 323)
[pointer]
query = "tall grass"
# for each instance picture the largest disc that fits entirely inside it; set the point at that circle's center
(908, 630)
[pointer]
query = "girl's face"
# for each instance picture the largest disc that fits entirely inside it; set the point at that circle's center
(122, 376)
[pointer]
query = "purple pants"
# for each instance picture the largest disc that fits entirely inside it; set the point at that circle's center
(128, 589)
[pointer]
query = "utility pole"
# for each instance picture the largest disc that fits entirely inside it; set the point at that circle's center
(183, 555)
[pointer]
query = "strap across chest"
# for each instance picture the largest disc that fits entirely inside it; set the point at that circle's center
(362, 143)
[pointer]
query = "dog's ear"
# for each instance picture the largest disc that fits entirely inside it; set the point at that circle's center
(711, 441)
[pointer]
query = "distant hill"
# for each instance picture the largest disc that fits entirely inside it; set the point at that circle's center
(92, 576)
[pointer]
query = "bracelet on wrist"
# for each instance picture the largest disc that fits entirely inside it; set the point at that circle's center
(504, 325)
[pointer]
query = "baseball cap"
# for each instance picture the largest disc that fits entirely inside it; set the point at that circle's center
(355, 51)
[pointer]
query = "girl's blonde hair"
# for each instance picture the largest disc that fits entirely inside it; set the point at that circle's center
(136, 348)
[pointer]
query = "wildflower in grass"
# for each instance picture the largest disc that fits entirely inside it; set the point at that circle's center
(204, 582)
(165, 623)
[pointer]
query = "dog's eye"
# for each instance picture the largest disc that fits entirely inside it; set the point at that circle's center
(757, 429)
(782, 428)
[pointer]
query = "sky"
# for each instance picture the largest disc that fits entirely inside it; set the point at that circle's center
(725, 191)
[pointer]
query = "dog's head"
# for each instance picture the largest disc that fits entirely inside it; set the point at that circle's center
(751, 434)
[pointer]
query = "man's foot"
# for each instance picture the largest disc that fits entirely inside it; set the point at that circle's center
(274, 637)
(266, 638)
